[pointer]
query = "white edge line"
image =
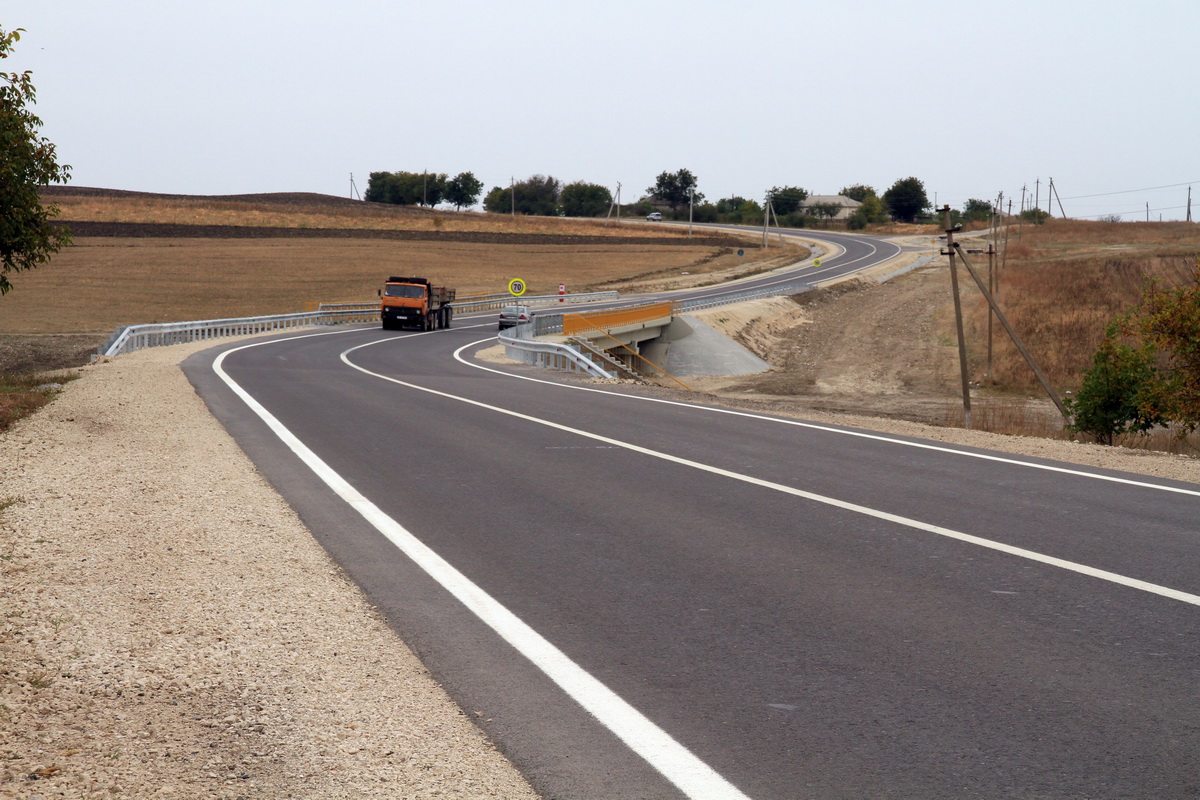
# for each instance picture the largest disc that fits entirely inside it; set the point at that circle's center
(828, 429)
(675, 762)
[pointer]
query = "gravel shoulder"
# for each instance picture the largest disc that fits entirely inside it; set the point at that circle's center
(171, 629)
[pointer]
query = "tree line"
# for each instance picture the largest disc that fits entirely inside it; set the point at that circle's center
(676, 192)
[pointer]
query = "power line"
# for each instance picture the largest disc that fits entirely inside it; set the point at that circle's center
(1131, 191)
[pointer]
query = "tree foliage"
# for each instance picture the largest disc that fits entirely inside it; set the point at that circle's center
(906, 199)
(786, 199)
(870, 211)
(1153, 381)
(27, 161)
(825, 210)
(463, 190)
(977, 210)
(581, 199)
(676, 189)
(536, 195)
(858, 191)
(1169, 322)
(1113, 397)
(406, 188)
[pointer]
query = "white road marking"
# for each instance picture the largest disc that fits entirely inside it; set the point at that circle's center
(674, 761)
(949, 533)
(878, 437)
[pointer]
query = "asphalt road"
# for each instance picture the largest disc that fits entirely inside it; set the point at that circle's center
(639, 599)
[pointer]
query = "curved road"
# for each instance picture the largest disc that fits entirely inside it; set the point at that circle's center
(646, 599)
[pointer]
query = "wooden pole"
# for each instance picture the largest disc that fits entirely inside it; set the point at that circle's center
(952, 249)
(1012, 334)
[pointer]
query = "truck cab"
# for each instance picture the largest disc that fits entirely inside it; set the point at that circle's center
(415, 303)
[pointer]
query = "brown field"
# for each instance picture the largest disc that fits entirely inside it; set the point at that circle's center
(316, 211)
(105, 281)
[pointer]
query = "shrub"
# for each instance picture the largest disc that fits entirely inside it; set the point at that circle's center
(1112, 399)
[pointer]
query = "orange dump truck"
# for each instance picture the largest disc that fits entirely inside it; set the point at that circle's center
(414, 303)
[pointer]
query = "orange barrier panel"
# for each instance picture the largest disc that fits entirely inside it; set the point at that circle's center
(606, 320)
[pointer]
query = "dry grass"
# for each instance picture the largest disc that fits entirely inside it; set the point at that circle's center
(310, 212)
(1061, 286)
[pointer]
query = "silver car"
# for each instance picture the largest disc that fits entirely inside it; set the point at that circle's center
(515, 315)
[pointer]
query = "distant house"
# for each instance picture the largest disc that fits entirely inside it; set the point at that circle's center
(847, 205)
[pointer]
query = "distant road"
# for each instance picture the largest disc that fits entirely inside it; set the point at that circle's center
(655, 600)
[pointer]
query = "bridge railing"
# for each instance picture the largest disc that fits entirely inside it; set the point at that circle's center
(521, 345)
(129, 338)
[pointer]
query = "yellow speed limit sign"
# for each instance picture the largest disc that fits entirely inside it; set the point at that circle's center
(516, 287)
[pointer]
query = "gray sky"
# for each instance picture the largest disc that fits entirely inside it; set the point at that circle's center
(226, 97)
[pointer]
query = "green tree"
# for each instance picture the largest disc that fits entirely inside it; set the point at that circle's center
(463, 190)
(858, 191)
(676, 189)
(730, 205)
(582, 199)
(27, 161)
(406, 188)
(498, 200)
(825, 210)
(750, 213)
(537, 195)
(1169, 322)
(786, 199)
(1113, 397)
(977, 210)
(906, 199)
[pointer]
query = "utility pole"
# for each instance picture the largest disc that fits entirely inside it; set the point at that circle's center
(512, 194)
(1037, 194)
(1052, 193)
(691, 202)
(1012, 334)
(1189, 216)
(958, 322)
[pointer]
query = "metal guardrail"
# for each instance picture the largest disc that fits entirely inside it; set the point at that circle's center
(501, 300)
(695, 304)
(136, 337)
(520, 345)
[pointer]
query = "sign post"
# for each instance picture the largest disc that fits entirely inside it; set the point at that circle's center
(562, 290)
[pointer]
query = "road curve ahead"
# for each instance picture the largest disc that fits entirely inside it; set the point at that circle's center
(638, 598)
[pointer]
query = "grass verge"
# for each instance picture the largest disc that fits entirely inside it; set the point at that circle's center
(21, 395)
